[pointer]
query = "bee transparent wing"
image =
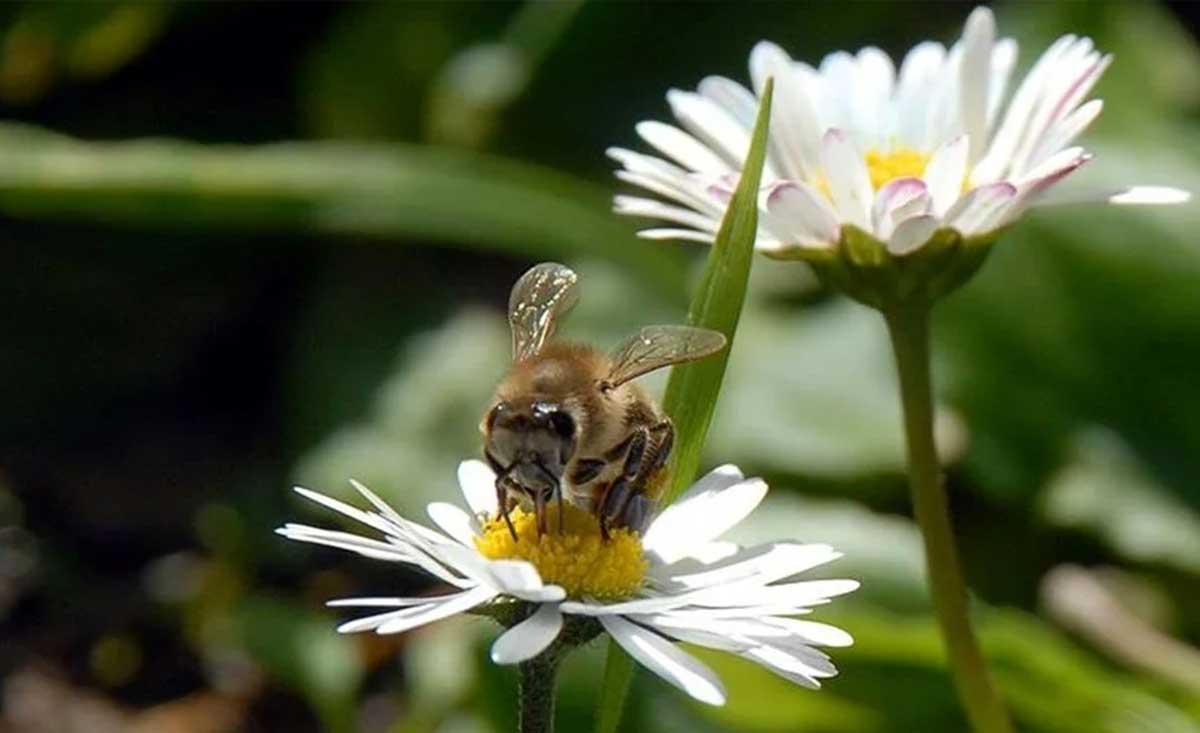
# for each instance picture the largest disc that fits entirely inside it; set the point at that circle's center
(655, 347)
(542, 295)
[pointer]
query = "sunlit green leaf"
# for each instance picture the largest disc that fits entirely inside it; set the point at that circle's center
(390, 192)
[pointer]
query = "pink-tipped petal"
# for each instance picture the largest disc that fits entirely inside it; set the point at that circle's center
(899, 199)
(799, 214)
(978, 210)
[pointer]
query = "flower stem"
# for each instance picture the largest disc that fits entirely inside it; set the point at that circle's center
(536, 712)
(909, 330)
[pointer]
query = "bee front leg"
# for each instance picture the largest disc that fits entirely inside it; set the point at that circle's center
(625, 486)
(502, 504)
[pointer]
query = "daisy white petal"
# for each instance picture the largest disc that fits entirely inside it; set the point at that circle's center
(671, 233)
(917, 73)
(1064, 132)
(1016, 119)
(945, 173)
(1132, 196)
(736, 627)
(364, 546)
(463, 602)
(519, 578)
(682, 148)
(912, 233)
(707, 511)
(798, 214)
(641, 605)
(1004, 58)
(453, 521)
(529, 638)
(666, 660)
(800, 594)
(789, 665)
(386, 602)
(781, 664)
(666, 180)
(877, 78)
(813, 632)
(846, 174)
(978, 211)
(371, 520)
(705, 638)
(657, 210)
(370, 623)
(898, 200)
(731, 96)
(795, 149)
(764, 563)
(974, 78)
(478, 483)
(712, 124)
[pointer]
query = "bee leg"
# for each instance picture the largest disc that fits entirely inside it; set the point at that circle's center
(561, 518)
(623, 488)
(662, 451)
(502, 503)
(618, 493)
(539, 507)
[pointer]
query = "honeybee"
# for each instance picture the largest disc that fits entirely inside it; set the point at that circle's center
(567, 421)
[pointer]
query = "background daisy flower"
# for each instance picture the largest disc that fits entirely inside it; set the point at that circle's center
(896, 154)
(677, 582)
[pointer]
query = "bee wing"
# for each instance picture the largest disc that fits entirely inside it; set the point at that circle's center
(655, 347)
(542, 295)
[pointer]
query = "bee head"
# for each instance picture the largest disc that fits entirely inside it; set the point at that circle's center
(530, 445)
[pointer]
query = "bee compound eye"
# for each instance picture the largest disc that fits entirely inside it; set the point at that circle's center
(496, 412)
(563, 424)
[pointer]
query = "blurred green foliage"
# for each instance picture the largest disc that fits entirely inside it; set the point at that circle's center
(296, 273)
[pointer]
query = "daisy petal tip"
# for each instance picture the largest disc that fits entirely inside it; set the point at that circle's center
(981, 19)
(834, 135)
(1150, 196)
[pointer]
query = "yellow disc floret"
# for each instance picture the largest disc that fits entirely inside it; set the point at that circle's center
(896, 163)
(577, 558)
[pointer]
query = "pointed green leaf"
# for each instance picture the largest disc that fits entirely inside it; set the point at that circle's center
(693, 388)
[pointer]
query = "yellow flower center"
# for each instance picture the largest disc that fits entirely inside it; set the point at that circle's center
(578, 558)
(898, 163)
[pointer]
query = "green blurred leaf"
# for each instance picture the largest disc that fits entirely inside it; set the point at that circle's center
(392, 192)
(1105, 490)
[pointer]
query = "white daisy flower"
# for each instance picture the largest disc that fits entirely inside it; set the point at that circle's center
(897, 155)
(676, 582)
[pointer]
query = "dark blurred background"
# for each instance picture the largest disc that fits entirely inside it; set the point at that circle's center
(254, 244)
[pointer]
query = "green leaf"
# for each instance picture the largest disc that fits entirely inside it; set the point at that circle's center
(693, 388)
(692, 391)
(380, 191)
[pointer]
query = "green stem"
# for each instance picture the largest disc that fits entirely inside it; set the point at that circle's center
(909, 329)
(536, 713)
